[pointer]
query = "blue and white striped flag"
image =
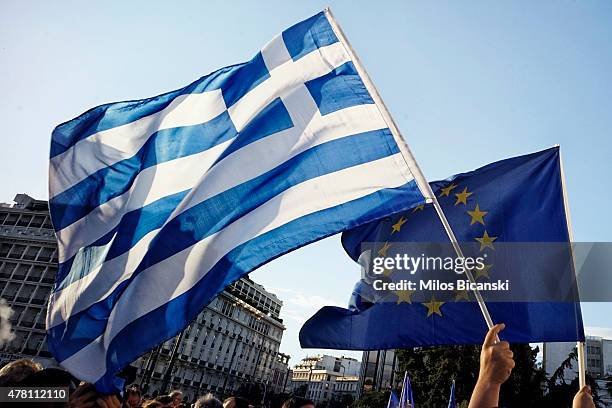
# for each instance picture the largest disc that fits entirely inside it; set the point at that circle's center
(159, 204)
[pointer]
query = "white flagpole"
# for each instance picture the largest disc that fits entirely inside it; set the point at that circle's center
(580, 344)
(410, 160)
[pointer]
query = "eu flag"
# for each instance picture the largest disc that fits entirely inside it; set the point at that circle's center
(517, 200)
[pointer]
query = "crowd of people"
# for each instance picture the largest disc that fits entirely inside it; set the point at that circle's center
(496, 364)
(133, 398)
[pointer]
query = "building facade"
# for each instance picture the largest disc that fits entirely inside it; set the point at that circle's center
(324, 377)
(281, 374)
(28, 264)
(234, 340)
(346, 386)
(598, 357)
(378, 371)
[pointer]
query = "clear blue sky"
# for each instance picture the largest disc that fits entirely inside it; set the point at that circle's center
(467, 82)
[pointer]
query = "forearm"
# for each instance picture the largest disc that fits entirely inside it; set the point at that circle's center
(485, 395)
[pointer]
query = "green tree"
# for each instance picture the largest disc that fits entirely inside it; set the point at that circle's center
(432, 370)
(559, 393)
(372, 399)
(527, 381)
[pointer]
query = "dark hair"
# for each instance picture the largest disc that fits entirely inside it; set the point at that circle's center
(297, 402)
(208, 401)
(132, 390)
(236, 402)
(164, 399)
(16, 371)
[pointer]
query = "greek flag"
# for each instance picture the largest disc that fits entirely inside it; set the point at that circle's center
(159, 204)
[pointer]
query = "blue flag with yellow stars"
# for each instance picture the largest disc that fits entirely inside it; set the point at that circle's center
(511, 202)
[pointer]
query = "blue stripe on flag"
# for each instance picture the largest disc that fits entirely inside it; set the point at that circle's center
(126, 346)
(244, 78)
(341, 88)
(210, 216)
(309, 35)
(110, 182)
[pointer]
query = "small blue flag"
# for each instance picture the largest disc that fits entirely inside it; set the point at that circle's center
(512, 201)
(393, 400)
(406, 399)
(451, 400)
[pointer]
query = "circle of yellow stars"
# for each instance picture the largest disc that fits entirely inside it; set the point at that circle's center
(477, 216)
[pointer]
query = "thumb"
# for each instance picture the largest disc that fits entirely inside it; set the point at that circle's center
(491, 337)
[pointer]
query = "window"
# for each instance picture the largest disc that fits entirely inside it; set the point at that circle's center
(6, 269)
(37, 221)
(21, 271)
(35, 273)
(11, 219)
(41, 296)
(11, 290)
(29, 317)
(47, 224)
(45, 254)
(24, 220)
(25, 293)
(5, 247)
(49, 275)
(16, 251)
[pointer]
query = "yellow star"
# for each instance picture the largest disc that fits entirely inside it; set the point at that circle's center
(433, 306)
(446, 190)
(462, 294)
(398, 225)
(403, 296)
(477, 215)
(418, 208)
(483, 272)
(462, 196)
(486, 241)
(383, 250)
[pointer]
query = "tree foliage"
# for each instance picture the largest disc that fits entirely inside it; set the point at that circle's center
(372, 399)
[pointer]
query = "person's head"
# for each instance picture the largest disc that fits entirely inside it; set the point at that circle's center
(152, 403)
(208, 401)
(297, 402)
(166, 401)
(235, 402)
(132, 397)
(16, 371)
(177, 397)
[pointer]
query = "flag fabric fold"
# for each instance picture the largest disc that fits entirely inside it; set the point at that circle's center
(511, 201)
(159, 204)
